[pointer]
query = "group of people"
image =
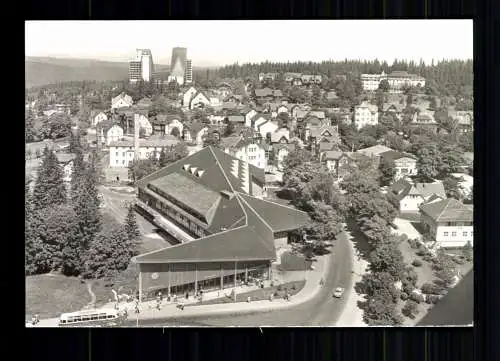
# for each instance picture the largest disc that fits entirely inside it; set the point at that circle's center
(35, 320)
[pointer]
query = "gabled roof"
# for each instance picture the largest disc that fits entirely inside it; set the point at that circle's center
(320, 131)
(249, 222)
(374, 150)
(448, 210)
(317, 114)
(230, 142)
(332, 155)
(393, 155)
(236, 118)
(399, 189)
(428, 189)
(288, 146)
(325, 146)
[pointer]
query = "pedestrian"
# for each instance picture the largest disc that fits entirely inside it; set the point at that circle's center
(187, 295)
(168, 298)
(160, 295)
(248, 299)
(36, 319)
(158, 305)
(137, 308)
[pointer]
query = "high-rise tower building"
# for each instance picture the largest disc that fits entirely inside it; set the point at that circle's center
(142, 67)
(178, 65)
(188, 76)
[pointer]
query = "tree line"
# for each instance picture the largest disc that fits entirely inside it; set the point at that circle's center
(64, 228)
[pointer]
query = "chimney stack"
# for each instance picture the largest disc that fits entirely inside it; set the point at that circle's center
(136, 136)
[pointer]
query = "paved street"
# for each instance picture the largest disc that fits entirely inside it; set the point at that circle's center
(322, 310)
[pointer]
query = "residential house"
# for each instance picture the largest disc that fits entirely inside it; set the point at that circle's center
(245, 150)
(282, 109)
(394, 109)
(311, 79)
(174, 122)
(122, 101)
(122, 152)
(144, 103)
(411, 196)
(424, 119)
(297, 81)
(194, 133)
(326, 146)
(265, 128)
(236, 119)
(109, 131)
(216, 119)
(188, 95)
(449, 223)
(374, 151)
(280, 151)
(465, 120)
(249, 114)
(267, 94)
(365, 114)
(159, 124)
(281, 135)
(289, 77)
(235, 99)
(268, 76)
(405, 164)
(66, 161)
(339, 163)
(144, 123)
(200, 100)
(99, 117)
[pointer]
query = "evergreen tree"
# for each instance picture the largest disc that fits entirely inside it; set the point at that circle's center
(387, 172)
(49, 185)
(132, 230)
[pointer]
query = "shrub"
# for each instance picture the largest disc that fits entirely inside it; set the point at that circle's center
(458, 260)
(431, 299)
(416, 298)
(410, 309)
(417, 263)
(414, 243)
(404, 296)
(431, 289)
(279, 288)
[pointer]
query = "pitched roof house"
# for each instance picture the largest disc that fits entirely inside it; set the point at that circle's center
(411, 196)
(122, 101)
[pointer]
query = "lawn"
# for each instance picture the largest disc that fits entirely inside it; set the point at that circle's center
(259, 294)
(291, 261)
(123, 283)
(49, 295)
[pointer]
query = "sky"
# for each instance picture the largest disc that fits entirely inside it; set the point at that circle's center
(212, 43)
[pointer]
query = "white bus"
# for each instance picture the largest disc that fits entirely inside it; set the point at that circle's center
(104, 317)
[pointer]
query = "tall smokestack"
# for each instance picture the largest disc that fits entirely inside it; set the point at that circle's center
(136, 136)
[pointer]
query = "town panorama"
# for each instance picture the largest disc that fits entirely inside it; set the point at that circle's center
(335, 193)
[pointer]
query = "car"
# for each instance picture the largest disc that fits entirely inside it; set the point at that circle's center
(339, 291)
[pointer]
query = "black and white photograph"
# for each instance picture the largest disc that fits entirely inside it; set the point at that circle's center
(258, 173)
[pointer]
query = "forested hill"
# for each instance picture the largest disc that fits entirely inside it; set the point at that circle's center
(446, 74)
(42, 71)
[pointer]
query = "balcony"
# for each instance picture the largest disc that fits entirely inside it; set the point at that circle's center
(168, 226)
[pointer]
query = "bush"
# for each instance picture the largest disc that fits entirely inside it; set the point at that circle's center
(431, 289)
(414, 243)
(417, 298)
(458, 260)
(431, 299)
(417, 263)
(404, 296)
(410, 309)
(279, 288)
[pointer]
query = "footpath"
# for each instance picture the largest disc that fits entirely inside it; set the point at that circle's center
(169, 310)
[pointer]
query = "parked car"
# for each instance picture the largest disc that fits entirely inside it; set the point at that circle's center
(339, 291)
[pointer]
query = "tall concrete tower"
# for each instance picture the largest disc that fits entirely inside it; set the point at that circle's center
(178, 64)
(142, 67)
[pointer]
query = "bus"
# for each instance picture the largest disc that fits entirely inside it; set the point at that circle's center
(104, 317)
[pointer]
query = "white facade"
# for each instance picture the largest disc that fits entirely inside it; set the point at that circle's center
(186, 98)
(144, 123)
(412, 202)
(281, 154)
(67, 171)
(252, 154)
(121, 156)
(258, 122)
(113, 134)
(174, 123)
(268, 127)
(397, 80)
(454, 236)
(121, 101)
(99, 118)
(248, 118)
(365, 114)
(405, 167)
(198, 99)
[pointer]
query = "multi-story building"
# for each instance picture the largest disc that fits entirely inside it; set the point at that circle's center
(365, 114)
(397, 81)
(226, 234)
(245, 150)
(411, 196)
(188, 76)
(122, 152)
(142, 67)
(449, 222)
(405, 165)
(178, 65)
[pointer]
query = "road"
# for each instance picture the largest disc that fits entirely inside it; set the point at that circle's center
(322, 310)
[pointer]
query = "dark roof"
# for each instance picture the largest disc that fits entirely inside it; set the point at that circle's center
(456, 308)
(332, 154)
(428, 189)
(399, 189)
(190, 193)
(250, 222)
(229, 142)
(279, 146)
(324, 146)
(448, 210)
(393, 155)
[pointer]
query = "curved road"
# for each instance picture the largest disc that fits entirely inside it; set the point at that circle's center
(322, 310)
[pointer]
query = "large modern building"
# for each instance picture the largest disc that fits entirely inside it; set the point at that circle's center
(212, 203)
(178, 65)
(142, 67)
(397, 81)
(188, 76)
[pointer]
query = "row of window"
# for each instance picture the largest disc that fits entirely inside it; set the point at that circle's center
(454, 234)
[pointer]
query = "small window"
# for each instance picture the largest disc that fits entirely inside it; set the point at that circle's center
(453, 234)
(445, 234)
(117, 154)
(471, 233)
(123, 161)
(464, 234)
(111, 316)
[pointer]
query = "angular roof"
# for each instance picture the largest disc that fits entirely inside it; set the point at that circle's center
(229, 142)
(399, 189)
(190, 193)
(244, 224)
(325, 146)
(332, 155)
(288, 146)
(448, 210)
(319, 131)
(154, 141)
(393, 155)
(374, 150)
(236, 118)
(428, 189)
(317, 114)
